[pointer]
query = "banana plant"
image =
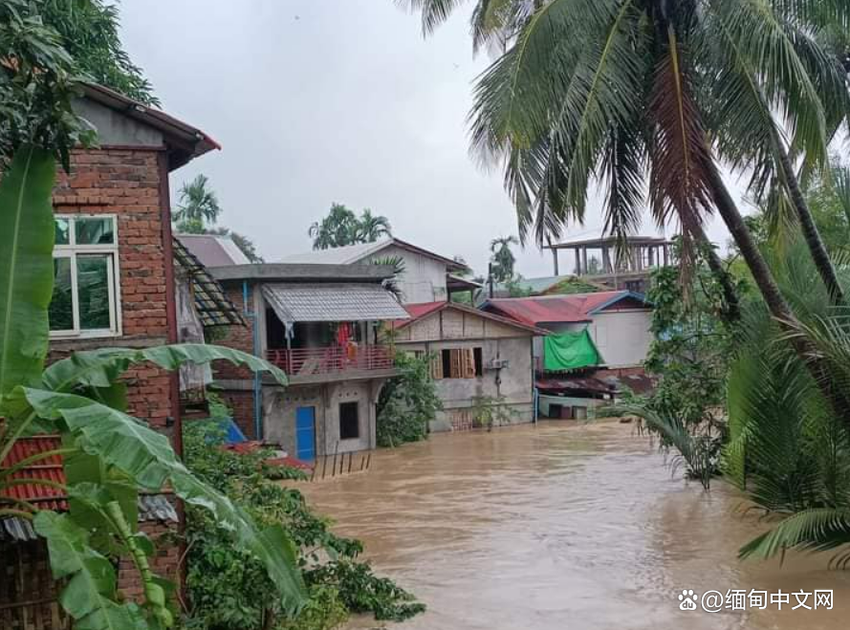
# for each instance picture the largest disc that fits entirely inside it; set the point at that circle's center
(109, 457)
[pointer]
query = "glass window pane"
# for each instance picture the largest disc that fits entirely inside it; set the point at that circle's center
(63, 232)
(98, 231)
(93, 291)
(61, 312)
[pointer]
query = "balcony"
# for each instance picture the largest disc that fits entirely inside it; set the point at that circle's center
(313, 365)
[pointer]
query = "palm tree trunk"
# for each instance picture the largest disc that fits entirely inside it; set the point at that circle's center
(731, 310)
(776, 303)
(823, 263)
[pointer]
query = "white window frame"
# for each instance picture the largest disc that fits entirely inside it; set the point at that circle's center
(72, 251)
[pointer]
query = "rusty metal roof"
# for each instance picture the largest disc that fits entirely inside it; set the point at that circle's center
(49, 469)
(152, 507)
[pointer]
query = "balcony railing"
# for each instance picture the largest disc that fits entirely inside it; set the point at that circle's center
(331, 360)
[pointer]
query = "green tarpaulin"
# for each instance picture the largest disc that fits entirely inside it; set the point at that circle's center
(568, 351)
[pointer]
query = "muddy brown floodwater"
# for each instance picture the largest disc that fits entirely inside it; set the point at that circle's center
(560, 526)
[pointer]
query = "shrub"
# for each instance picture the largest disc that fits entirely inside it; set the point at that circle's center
(407, 403)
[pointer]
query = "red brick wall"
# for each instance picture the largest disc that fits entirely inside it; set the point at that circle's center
(242, 405)
(237, 337)
(126, 183)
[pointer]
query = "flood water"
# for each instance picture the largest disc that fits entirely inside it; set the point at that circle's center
(562, 526)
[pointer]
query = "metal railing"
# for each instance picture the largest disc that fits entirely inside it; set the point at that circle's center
(331, 360)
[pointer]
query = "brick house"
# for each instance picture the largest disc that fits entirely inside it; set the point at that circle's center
(114, 286)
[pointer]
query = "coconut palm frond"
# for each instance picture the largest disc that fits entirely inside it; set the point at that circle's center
(821, 529)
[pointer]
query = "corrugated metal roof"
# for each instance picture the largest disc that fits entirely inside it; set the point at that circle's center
(332, 303)
(214, 250)
(152, 507)
(49, 469)
(349, 254)
(576, 308)
(211, 303)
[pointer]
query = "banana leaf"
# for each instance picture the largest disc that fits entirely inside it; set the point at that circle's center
(100, 368)
(147, 457)
(90, 594)
(26, 266)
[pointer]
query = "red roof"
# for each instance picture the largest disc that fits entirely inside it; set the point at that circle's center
(424, 309)
(49, 469)
(575, 308)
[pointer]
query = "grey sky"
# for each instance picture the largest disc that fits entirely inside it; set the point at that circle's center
(316, 101)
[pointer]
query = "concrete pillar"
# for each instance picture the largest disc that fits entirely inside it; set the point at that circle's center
(555, 260)
(578, 262)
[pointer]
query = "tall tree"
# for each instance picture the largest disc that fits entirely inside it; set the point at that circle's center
(342, 227)
(198, 207)
(503, 258)
(198, 212)
(372, 227)
(37, 86)
(89, 31)
(652, 91)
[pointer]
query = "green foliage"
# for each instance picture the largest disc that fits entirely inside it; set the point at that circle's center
(198, 206)
(503, 259)
(489, 412)
(408, 402)
(690, 356)
(788, 449)
(342, 227)
(89, 31)
(691, 346)
(228, 587)
(37, 87)
(26, 266)
(362, 591)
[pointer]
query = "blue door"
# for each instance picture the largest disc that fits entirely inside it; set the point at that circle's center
(305, 433)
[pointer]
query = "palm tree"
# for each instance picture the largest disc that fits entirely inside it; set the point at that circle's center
(372, 227)
(503, 257)
(337, 229)
(198, 206)
(653, 92)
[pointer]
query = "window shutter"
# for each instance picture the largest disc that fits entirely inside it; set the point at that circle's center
(436, 367)
(456, 363)
(468, 363)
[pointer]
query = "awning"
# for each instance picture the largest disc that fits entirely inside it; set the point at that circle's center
(569, 351)
(332, 303)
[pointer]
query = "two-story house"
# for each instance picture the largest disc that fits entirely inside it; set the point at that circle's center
(319, 323)
(116, 282)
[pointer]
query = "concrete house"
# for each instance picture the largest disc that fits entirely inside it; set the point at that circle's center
(319, 323)
(477, 358)
(115, 285)
(427, 277)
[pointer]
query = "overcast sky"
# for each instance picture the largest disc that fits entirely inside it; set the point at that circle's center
(320, 101)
